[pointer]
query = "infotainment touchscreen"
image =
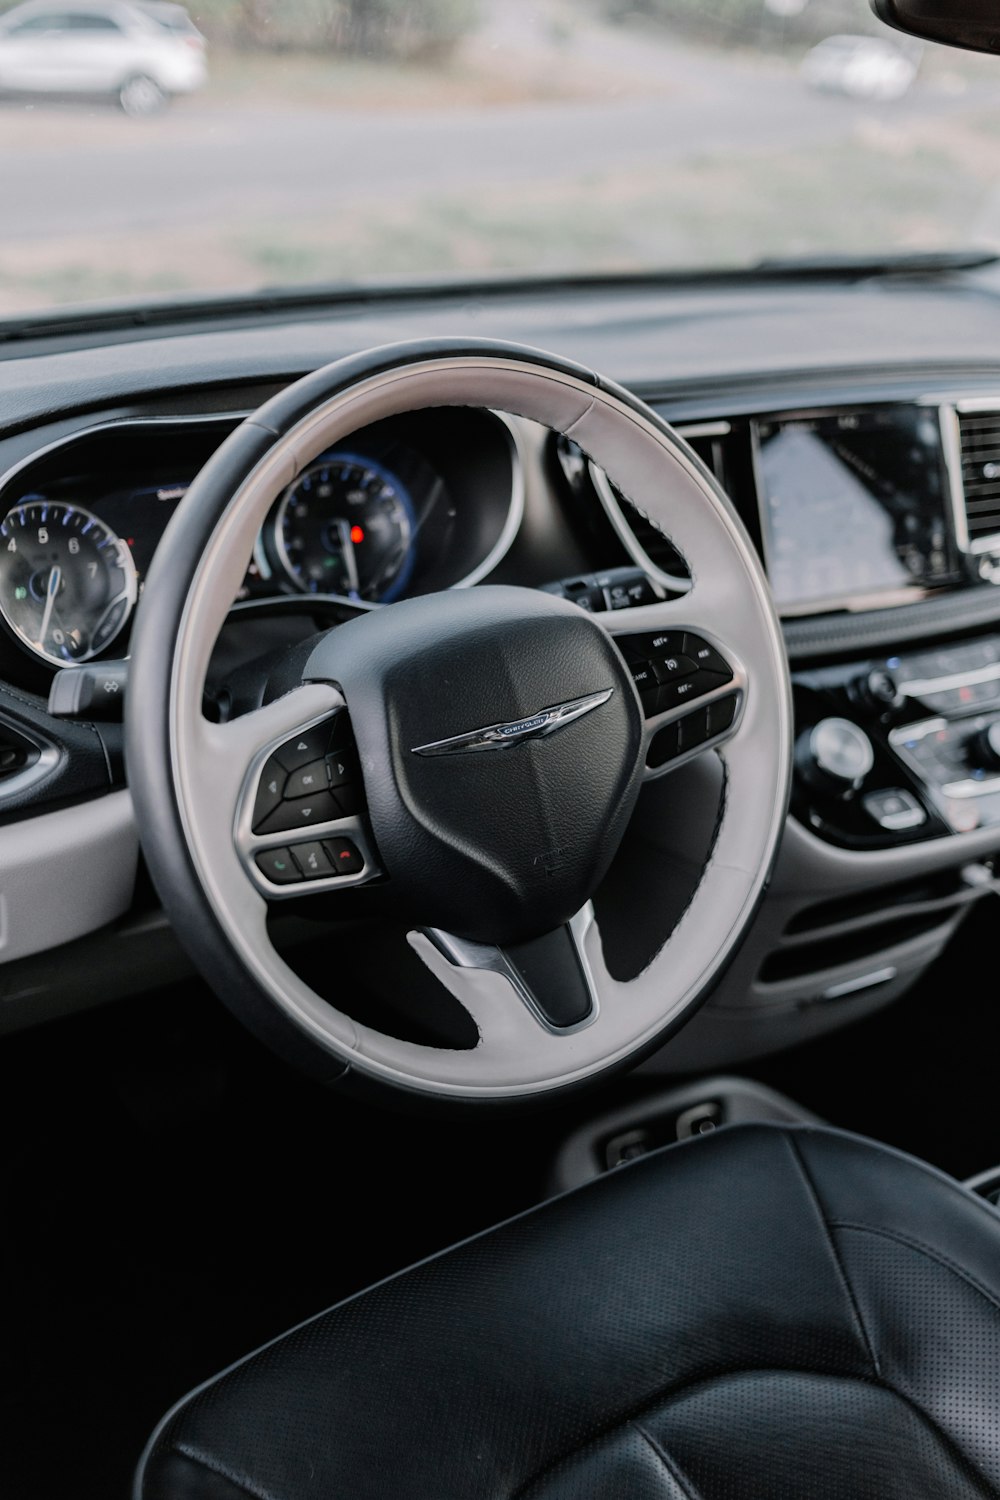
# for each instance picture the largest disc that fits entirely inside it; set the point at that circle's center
(853, 505)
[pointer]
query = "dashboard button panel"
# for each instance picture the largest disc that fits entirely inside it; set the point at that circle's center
(933, 718)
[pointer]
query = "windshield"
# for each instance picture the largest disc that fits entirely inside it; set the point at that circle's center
(150, 150)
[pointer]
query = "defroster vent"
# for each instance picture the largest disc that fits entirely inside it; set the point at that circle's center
(980, 437)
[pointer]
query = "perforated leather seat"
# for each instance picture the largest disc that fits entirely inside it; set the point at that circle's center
(764, 1314)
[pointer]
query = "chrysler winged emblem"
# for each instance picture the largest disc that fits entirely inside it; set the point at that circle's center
(502, 736)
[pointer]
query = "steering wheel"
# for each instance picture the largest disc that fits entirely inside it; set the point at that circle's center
(471, 757)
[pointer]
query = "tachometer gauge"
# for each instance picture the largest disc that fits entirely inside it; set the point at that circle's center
(347, 526)
(67, 583)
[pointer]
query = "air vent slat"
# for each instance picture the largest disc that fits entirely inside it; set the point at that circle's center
(980, 439)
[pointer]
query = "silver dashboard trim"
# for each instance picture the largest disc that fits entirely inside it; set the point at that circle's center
(919, 687)
(22, 781)
(515, 511)
(949, 409)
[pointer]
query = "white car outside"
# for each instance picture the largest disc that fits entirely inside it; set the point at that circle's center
(864, 67)
(140, 53)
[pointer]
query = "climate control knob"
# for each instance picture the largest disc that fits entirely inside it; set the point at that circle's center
(984, 748)
(834, 756)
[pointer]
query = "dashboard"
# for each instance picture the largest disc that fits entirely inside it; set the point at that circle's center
(855, 429)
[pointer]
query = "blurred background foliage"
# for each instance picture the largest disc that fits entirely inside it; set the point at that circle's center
(431, 29)
(367, 28)
(767, 23)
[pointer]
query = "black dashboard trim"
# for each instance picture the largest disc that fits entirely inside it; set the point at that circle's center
(826, 635)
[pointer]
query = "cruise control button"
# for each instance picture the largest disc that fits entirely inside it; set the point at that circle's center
(311, 778)
(345, 856)
(312, 861)
(671, 667)
(269, 790)
(303, 813)
(643, 676)
(674, 693)
(278, 866)
(665, 643)
(706, 656)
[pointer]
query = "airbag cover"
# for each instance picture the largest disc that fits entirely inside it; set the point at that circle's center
(497, 844)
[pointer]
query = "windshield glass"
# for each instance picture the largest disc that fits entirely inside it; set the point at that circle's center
(152, 149)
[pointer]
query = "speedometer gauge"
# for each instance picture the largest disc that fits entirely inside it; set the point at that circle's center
(347, 526)
(67, 583)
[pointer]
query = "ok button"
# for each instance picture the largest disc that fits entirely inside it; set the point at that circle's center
(672, 668)
(307, 781)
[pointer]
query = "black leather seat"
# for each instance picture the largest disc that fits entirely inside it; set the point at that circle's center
(764, 1314)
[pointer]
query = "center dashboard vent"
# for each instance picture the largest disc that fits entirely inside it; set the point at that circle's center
(979, 433)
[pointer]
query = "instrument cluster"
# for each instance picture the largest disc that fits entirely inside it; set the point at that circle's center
(405, 507)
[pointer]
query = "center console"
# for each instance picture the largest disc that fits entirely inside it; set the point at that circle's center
(901, 746)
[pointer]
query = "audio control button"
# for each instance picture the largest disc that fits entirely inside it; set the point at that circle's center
(671, 668)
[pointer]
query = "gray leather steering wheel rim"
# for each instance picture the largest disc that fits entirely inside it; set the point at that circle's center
(187, 775)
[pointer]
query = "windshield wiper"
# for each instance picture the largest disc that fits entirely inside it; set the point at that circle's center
(861, 267)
